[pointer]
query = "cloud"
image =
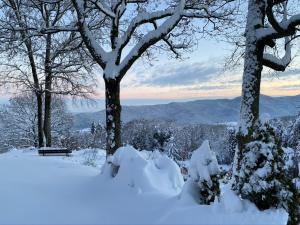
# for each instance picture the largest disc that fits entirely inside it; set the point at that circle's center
(290, 87)
(290, 72)
(210, 87)
(234, 82)
(183, 75)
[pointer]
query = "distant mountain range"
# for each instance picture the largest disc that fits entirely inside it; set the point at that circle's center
(196, 112)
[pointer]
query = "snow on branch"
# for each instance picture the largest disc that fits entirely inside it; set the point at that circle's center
(109, 27)
(45, 30)
(271, 17)
(270, 60)
(98, 53)
(281, 29)
(153, 37)
(104, 8)
(142, 18)
(191, 10)
(279, 64)
(208, 11)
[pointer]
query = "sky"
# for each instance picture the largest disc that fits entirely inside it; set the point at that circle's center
(199, 75)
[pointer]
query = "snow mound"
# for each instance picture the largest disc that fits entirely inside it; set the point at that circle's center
(202, 185)
(143, 172)
(231, 202)
(203, 164)
(90, 157)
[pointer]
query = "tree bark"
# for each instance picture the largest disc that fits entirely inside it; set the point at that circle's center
(37, 89)
(39, 98)
(253, 65)
(38, 93)
(113, 115)
(47, 116)
(48, 89)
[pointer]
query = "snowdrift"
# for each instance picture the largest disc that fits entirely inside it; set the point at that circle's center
(147, 189)
(143, 171)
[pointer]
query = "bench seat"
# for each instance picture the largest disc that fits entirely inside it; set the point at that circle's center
(47, 151)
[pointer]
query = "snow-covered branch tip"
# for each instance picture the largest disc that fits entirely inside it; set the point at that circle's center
(277, 30)
(276, 63)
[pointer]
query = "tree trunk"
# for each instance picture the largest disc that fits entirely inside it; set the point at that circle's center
(48, 89)
(253, 65)
(38, 93)
(34, 132)
(47, 116)
(40, 119)
(37, 90)
(113, 115)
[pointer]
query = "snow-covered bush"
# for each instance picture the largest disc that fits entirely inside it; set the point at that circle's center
(90, 156)
(98, 135)
(184, 138)
(294, 134)
(204, 175)
(143, 171)
(291, 159)
(261, 175)
(228, 146)
(18, 126)
(293, 142)
(279, 129)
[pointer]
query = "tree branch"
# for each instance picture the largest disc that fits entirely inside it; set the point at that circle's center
(151, 38)
(95, 49)
(278, 64)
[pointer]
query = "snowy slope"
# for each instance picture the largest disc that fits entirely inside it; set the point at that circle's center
(200, 111)
(59, 190)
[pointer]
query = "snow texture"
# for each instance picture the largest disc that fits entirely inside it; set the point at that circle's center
(203, 164)
(160, 173)
(60, 190)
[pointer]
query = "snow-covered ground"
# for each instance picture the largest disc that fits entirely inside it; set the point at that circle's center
(146, 190)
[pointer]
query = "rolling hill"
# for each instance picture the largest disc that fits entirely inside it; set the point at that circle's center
(195, 112)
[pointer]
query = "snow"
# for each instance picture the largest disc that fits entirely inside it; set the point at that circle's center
(258, 179)
(145, 190)
(285, 60)
(203, 164)
(263, 33)
(230, 210)
(51, 148)
(265, 118)
(154, 36)
(159, 174)
(289, 158)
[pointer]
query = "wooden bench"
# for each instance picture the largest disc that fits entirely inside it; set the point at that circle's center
(52, 151)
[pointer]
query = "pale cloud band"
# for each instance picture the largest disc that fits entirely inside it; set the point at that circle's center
(203, 80)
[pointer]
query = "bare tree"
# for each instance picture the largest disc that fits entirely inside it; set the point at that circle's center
(12, 18)
(119, 32)
(64, 58)
(58, 64)
(19, 120)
